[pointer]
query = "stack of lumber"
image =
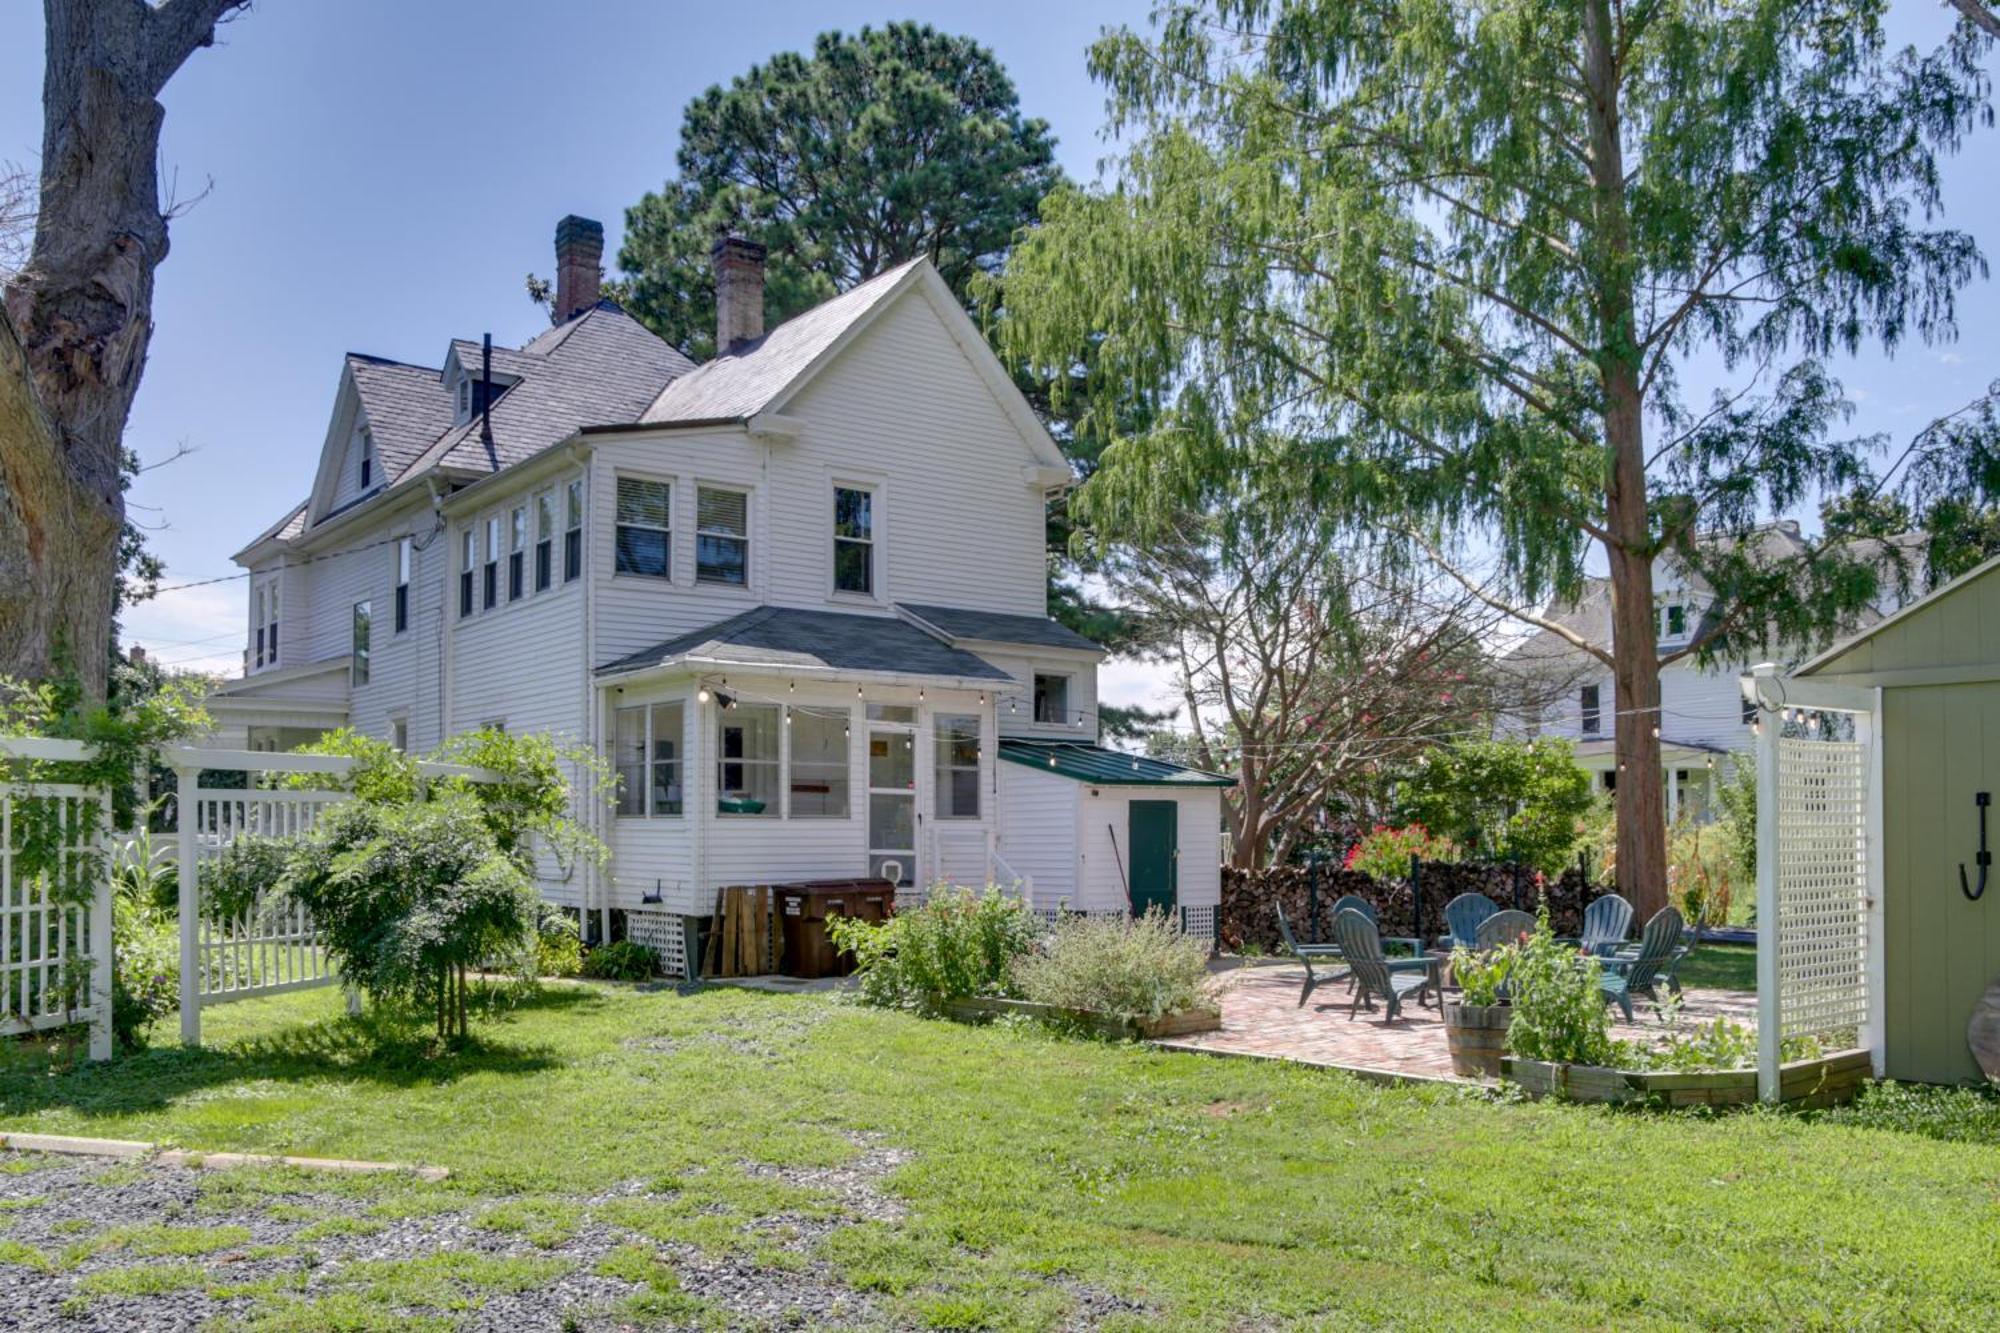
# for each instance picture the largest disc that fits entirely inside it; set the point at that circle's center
(742, 943)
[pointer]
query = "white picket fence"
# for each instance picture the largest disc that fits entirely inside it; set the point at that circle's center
(55, 921)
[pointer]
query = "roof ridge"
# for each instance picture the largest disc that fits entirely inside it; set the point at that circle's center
(375, 360)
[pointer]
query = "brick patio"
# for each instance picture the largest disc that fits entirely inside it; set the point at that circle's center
(1261, 1017)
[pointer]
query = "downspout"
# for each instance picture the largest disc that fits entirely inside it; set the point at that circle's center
(447, 635)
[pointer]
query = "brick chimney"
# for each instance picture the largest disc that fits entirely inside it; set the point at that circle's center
(579, 260)
(739, 292)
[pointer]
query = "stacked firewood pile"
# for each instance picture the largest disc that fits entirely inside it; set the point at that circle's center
(1250, 898)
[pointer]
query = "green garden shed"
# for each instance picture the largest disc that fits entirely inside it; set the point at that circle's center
(1878, 760)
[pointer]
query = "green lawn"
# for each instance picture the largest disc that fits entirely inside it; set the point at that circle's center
(1721, 967)
(1198, 1192)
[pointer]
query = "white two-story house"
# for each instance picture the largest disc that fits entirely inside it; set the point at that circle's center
(1704, 721)
(795, 596)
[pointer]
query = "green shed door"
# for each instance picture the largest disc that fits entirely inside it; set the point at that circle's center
(1153, 830)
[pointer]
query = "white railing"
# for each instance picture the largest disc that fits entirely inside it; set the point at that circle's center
(55, 918)
(1005, 877)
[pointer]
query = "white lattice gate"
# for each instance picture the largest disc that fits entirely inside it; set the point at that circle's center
(55, 901)
(1819, 917)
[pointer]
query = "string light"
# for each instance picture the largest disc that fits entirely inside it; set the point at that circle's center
(702, 694)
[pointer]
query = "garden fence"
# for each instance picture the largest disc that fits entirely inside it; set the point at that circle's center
(55, 898)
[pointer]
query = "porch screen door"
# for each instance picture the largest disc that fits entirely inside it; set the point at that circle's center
(892, 802)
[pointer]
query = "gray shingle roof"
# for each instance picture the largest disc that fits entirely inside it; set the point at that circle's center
(740, 384)
(999, 627)
(407, 408)
(817, 640)
(601, 368)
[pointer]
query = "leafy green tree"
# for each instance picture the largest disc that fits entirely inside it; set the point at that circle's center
(880, 146)
(1509, 800)
(1441, 270)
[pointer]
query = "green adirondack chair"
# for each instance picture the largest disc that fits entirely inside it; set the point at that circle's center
(1638, 974)
(1361, 948)
(1462, 916)
(1306, 954)
(1502, 928)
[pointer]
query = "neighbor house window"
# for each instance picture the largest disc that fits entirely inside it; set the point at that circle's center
(271, 623)
(1051, 698)
(399, 735)
(1674, 621)
(572, 531)
(258, 596)
(1587, 705)
(358, 671)
(517, 553)
(853, 540)
(648, 759)
(545, 536)
(367, 466)
(645, 528)
(819, 764)
(721, 537)
(405, 556)
(957, 736)
(468, 559)
(490, 573)
(747, 769)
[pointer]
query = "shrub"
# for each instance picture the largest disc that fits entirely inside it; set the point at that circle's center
(1145, 966)
(1509, 800)
(1559, 1012)
(232, 879)
(955, 945)
(1385, 852)
(1482, 977)
(558, 943)
(621, 960)
(1954, 1115)
(146, 967)
(410, 897)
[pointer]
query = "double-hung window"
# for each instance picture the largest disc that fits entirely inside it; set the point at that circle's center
(957, 737)
(489, 593)
(645, 536)
(468, 560)
(258, 597)
(1590, 709)
(573, 531)
(545, 536)
(358, 670)
(819, 767)
(405, 556)
(517, 553)
(1051, 698)
(853, 540)
(748, 762)
(722, 536)
(647, 747)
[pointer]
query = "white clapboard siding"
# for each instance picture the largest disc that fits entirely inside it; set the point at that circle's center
(1038, 823)
(1017, 712)
(1200, 875)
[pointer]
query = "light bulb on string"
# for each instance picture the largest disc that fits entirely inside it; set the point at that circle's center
(701, 695)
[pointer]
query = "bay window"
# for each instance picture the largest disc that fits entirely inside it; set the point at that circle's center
(517, 553)
(490, 575)
(545, 534)
(572, 532)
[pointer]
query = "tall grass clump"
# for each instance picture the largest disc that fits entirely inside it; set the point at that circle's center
(1144, 966)
(956, 944)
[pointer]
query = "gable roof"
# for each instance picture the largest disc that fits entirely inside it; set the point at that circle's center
(957, 623)
(1094, 764)
(772, 636)
(1918, 607)
(406, 406)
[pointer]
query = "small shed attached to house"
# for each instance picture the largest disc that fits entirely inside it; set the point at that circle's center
(1936, 665)
(1098, 830)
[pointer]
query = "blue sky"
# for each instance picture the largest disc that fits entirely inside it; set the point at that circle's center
(384, 174)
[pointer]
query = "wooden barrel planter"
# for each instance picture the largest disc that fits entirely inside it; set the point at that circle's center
(1476, 1035)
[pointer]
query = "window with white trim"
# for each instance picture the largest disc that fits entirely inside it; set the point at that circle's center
(1051, 698)
(647, 754)
(747, 760)
(854, 540)
(1673, 622)
(358, 668)
(644, 537)
(545, 536)
(1590, 710)
(405, 557)
(468, 562)
(517, 553)
(957, 741)
(818, 772)
(399, 734)
(258, 596)
(489, 593)
(573, 531)
(722, 536)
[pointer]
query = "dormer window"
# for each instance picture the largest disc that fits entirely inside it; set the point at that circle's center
(464, 400)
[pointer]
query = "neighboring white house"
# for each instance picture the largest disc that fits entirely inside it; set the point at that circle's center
(1704, 721)
(796, 596)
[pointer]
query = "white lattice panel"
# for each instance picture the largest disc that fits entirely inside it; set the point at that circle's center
(662, 933)
(1822, 882)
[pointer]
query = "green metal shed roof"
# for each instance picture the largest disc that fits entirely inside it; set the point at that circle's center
(1106, 768)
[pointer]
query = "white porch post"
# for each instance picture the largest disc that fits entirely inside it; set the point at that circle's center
(190, 905)
(100, 942)
(1672, 776)
(1769, 1043)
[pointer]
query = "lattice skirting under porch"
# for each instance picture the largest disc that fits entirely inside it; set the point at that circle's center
(663, 933)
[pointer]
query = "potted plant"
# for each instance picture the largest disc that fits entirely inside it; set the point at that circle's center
(1475, 1024)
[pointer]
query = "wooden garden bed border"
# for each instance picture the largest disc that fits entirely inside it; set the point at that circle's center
(1827, 1081)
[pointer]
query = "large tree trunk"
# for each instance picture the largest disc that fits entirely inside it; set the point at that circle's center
(1642, 815)
(82, 310)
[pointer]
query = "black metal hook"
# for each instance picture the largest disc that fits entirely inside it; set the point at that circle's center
(1985, 858)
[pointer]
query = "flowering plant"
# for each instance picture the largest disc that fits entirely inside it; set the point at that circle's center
(1384, 851)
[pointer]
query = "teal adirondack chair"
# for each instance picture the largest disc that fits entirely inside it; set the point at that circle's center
(1462, 916)
(1604, 925)
(1502, 928)
(1361, 948)
(1354, 902)
(1306, 954)
(1623, 977)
